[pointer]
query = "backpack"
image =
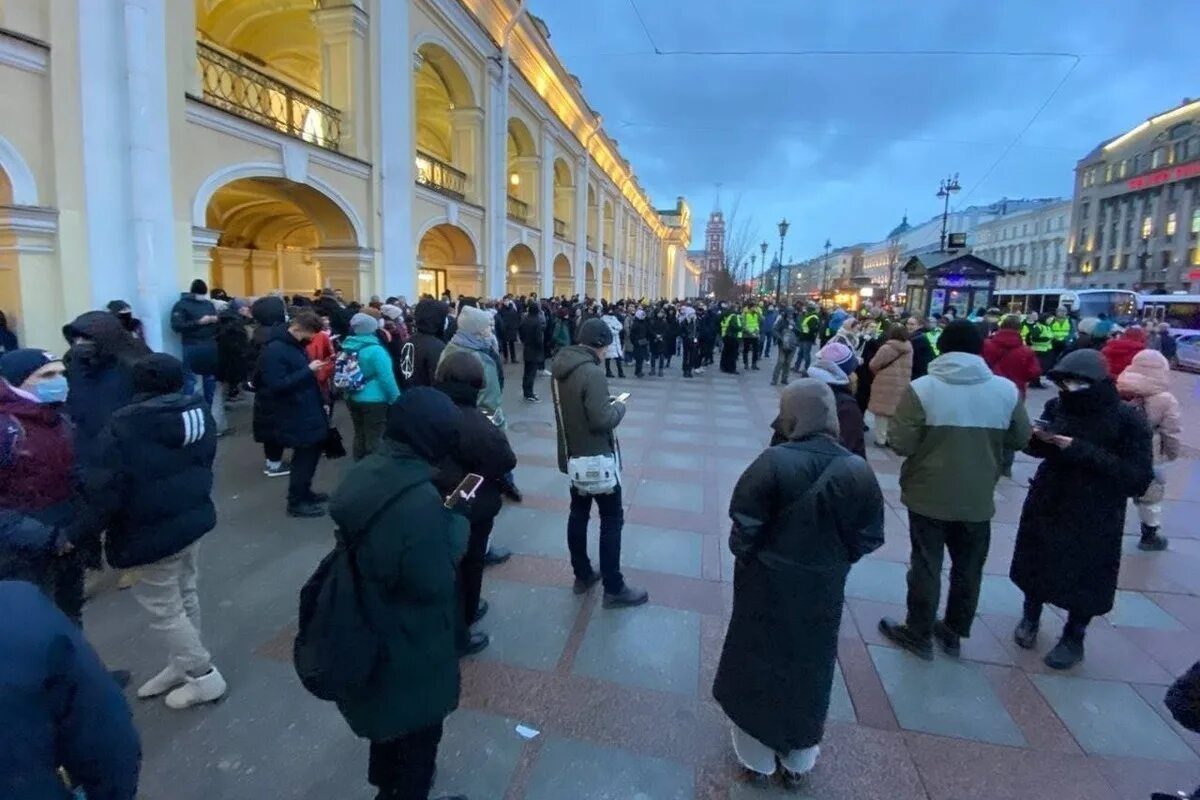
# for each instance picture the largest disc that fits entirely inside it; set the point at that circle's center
(336, 649)
(347, 372)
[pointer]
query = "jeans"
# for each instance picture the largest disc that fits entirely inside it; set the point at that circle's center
(968, 544)
(194, 384)
(304, 466)
(804, 355)
(766, 345)
(529, 372)
(779, 374)
(167, 590)
(750, 352)
(403, 768)
(218, 408)
(369, 420)
(470, 569)
(612, 520)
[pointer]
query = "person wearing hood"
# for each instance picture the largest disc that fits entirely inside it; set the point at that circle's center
(1146, 384)
(891, 368)
(803, 512)
(330, 306)
(8, 339)
(129, 322)
(731, 334)
(639, 338)
(150, 492)
(407, 546)
(194, 318)
(614, 351)
(952, 426)
(532, 331)
(483, 450)
(373, 389)
(670, 340)
(1119, 352)
(1008, 356)
(420, 354)
(475, 336)
(657, 327)
(922, 335)
(37, 480)
(1096, 454)
(289, 410)
(234, 353)
(835, 366)
(586, 419)
(510, 324)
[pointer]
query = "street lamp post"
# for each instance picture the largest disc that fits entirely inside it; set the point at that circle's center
(825, 269)
(763, 247)
(948, 187)
(783, 229)
(753, 261)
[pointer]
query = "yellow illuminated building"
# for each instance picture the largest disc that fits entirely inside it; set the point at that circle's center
(377, 146)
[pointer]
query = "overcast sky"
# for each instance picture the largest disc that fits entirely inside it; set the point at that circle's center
(842, 144)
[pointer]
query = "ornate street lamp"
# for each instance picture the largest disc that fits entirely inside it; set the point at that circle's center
(948, 187)
(753, 261)
(783, 229)
(825, 269)
(763, 247)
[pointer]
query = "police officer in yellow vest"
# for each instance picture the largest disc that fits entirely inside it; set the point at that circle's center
(1060, 333)
(1038, 337)
(751, 326)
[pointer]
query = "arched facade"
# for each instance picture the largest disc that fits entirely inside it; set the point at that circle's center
(564, 279)
(523, 275)
(447, 258)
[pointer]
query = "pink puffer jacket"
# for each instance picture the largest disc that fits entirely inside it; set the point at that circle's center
(1146, 383)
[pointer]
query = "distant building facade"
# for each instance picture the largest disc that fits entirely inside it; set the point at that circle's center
(1031, 246)
(714, 248)
(1136, 209)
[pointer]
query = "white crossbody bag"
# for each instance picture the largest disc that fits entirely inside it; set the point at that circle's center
(589, 475)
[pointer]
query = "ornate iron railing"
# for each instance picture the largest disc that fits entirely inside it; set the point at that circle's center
(560, 228)
(604, 249)
(235, 86)
(518, 210)
(439, 176)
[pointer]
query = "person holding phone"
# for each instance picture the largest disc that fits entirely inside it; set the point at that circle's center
(1096, 455)
(482, 449)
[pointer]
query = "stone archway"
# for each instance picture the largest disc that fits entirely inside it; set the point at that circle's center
(447, 259)
(564, 279)
(521, 270)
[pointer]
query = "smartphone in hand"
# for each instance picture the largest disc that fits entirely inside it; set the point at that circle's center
(464, 493)
(621, 398)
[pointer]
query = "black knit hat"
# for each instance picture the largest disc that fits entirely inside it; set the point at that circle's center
(594, 333)
(158, 373)
(961, 336)
(199, 287)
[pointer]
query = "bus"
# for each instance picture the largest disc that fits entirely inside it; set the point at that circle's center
(1180, 311)
(1120, 305)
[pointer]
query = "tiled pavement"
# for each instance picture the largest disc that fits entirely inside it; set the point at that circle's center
(621, 700)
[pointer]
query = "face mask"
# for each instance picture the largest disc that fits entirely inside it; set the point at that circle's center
(1072, 385)
(51, 390)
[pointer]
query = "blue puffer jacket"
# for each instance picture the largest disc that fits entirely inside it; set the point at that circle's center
(288, 408)
(152, 485)
(58, 707)
(376, 365)
(199, 341)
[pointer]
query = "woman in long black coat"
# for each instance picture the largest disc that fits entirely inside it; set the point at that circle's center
(803, 512)
(1097, 454)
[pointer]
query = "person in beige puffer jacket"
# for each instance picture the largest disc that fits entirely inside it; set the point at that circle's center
(1145, 383)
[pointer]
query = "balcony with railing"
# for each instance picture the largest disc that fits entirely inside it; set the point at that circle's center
(439, 176)
(605, 250)
(518, 210)
(233, 85)
(560, 229)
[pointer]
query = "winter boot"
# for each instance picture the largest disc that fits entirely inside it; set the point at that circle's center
(1152, 541)
(660, 372)
(1026, 634)
(1067, 653)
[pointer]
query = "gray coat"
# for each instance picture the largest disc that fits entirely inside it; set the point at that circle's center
(587, 418)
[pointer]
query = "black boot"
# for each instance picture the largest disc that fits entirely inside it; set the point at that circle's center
(1152, 541)
(1067, 653)
(1026, 633)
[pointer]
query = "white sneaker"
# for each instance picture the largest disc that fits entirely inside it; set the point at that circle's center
(163, 682)
(800, 762)
(546, 373)
(205, 689)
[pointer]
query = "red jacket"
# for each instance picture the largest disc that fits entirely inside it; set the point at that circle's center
(320, 348)
(1009, 357)
(1118, 353)
(37, 457)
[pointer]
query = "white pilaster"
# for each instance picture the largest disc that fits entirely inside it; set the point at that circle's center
(546, 209)
(618, 249)
(581, 226)
(395, 146)
(495, 185)
(343, 32)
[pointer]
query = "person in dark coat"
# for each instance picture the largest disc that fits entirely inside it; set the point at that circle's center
(61, 708)
(871, 345)
(8, 339)
(330, 306)
(1097, 454)
(124, 312)
(850, 419)
(658, 342)
(670, 335)
(918, 334)
(289, 410)
(194, 318)
(420, 355)
(150, 492)
(407, 546)
(508, 329)
(639, 338)
(803, 513)
(482, 449)
(532, 330)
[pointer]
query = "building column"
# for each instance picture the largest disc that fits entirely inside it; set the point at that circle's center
(618, 251)
(204, 241)
(581, 227)
(546, 212)
(343, 30)
(394, 139)
(345, 268)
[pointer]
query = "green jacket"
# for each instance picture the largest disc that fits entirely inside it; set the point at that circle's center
(376, 366)
(407, 553)
(492, 393)
(751, 322)
(585, 415)
(953, 426)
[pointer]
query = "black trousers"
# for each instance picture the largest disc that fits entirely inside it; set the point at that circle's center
(749, 352)
(691, 357)
(470, 569)
(968, 544)
(508, 350)
(1076, 625)
(707, 343)
(729, 356)
(272, 452)
(304, 467)
(620, 362)
(64, 579)
(529, 372)
(403, 768)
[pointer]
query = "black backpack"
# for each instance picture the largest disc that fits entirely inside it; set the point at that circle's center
(336, 649)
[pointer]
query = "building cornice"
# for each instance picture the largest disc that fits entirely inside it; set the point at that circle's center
(24, 53)
(34, 228)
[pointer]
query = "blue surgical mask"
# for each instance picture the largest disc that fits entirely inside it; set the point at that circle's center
(51, 390)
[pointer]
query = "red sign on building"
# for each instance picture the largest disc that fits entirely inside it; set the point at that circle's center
(1164, 176)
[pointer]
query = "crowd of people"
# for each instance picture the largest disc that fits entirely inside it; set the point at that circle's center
(106, 456)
